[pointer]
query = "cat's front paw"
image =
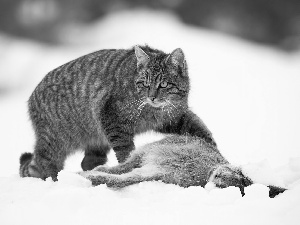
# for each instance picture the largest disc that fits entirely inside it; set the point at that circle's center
(89, 162)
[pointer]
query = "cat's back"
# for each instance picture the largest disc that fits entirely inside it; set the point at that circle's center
(89, 77)
(69, 96)
(82, 81)
(84, 70)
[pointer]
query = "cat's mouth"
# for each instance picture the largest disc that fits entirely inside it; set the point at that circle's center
(155, 103)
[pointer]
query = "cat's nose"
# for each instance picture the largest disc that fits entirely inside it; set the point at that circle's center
(151, 98)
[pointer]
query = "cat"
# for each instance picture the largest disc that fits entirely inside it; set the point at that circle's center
(101, 100)
(177, 159)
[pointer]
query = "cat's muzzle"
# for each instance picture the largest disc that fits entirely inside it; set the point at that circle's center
(155, 103)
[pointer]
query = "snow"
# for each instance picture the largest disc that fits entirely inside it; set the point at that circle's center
(248, 95)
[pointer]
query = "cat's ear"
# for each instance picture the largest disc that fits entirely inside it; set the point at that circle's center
(176, 58)
(141, 56)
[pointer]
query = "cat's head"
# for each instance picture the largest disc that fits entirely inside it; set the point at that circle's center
(162, 78)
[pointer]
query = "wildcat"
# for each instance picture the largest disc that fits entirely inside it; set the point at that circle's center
(101, 100)
(176, 159)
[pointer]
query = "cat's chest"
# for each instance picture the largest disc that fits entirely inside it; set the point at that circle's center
(146, 123)
(140, 117)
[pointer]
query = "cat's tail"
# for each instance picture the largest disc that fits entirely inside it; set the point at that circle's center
(25, 160)
(28, 167)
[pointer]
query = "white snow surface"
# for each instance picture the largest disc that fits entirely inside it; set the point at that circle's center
(248, 95)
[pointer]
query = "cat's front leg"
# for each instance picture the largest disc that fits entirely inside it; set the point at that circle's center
(193, 125)
(121, 141)
(118, 132)
(189, 123)
(123, 150)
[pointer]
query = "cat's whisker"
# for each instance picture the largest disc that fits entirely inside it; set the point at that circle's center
(136, 101)
(128, 104)
(171, 118)
(142, 105)
(171, 104)
(135, 118)
(133, 104)
(163, 109)
(168, 113)
(140, 109)
(136, 113)
(176, 109)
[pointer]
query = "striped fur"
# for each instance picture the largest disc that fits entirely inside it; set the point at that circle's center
(101, 100)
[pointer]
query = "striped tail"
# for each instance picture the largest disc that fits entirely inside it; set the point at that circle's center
(28, 167)
(25, 160)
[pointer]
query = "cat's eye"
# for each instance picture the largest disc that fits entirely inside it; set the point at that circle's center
(164, 84)
(146, 84)
(174, 90)
(142, 84)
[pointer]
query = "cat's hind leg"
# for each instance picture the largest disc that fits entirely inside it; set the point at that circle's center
(46, 161)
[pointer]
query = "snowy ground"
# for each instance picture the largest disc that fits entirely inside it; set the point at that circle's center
(248, 95)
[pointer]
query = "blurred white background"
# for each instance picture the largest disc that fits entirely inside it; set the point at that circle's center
(245, 89)
(244, 64)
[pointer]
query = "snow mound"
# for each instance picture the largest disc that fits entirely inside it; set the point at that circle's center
(224, 196)
(72, 201)
(256, 191)
(72, 179)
